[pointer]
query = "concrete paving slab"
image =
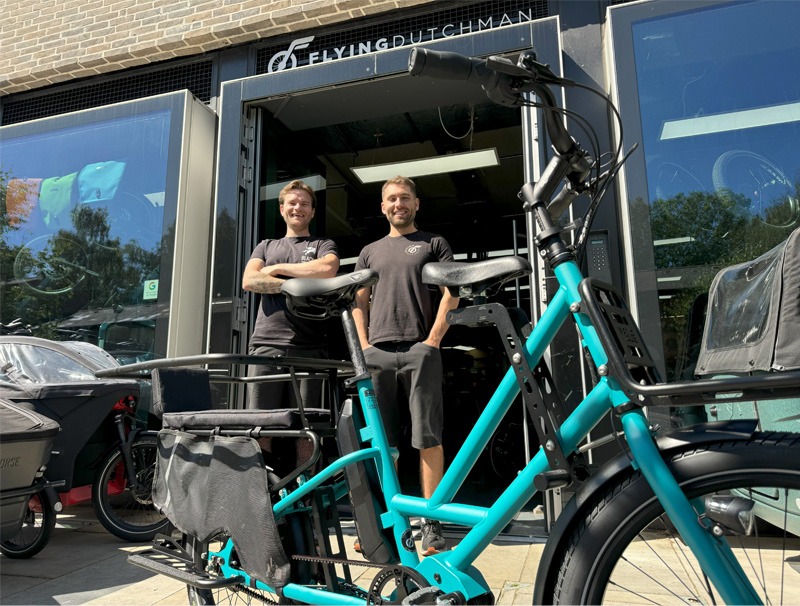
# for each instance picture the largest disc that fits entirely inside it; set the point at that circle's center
(84, 564)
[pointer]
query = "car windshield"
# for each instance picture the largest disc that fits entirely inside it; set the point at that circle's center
(24, 363)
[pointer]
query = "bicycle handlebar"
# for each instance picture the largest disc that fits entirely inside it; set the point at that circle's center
(503, 81)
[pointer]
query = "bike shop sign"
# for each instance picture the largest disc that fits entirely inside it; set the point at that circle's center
(304, 51)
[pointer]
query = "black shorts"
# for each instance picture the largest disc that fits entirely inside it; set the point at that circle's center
(411, 376)
(269, 395)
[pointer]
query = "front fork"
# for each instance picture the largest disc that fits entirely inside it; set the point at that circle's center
(127, 432)
(713, 553)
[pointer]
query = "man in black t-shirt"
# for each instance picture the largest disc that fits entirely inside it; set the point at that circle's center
(277, 332)
(400, 331)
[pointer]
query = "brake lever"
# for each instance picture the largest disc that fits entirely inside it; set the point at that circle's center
(526, 67)
(508, 67)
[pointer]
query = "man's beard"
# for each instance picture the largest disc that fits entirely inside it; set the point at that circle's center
(398, 221)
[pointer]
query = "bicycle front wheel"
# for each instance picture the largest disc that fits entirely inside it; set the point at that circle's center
(127, 511)
(624, 549)
(36, 530)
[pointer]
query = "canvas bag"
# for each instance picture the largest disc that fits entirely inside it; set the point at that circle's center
(99, 181)
(206, 485)
(55, 196)
(22, 196)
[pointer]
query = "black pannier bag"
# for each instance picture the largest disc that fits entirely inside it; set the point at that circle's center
(213, 484)
(366, 497)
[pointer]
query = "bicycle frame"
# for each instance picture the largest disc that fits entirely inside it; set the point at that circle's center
(616, 389)
(452, 570)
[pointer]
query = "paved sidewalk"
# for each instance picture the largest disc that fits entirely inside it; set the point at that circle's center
(84, 564)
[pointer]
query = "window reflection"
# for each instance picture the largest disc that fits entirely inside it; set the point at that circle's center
(82, 230)
(721, 134)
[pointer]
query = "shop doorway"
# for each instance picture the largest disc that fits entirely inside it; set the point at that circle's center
(327, 137)
(323, 123)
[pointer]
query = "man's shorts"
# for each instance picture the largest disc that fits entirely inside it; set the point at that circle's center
(411, 376)
(269, 395)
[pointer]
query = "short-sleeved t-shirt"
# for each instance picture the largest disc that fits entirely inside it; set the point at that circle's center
(402, 306)
(275, 325)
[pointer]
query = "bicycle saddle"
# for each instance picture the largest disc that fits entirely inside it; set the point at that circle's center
(321, 298)
(474, 279)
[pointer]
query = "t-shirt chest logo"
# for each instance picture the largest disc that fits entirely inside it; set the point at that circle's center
(413, 249)
(309, 253)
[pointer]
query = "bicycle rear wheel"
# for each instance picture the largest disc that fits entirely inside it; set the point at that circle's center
(127, 511)
(624, 550)
(231, 594)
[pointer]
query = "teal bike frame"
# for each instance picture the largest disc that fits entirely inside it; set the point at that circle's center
(452, 570)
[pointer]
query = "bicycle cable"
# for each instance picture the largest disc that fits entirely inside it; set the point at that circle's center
(580, 121)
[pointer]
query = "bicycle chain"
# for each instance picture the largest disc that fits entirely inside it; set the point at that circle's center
(255, 595)
(324, 560)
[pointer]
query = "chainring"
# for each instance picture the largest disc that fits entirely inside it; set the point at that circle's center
(397, 581)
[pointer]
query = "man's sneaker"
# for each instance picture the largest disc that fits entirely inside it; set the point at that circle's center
(432, 540)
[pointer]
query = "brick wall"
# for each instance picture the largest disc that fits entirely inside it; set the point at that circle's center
(44, 42)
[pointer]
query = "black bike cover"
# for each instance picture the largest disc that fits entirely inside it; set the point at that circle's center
(753, 318)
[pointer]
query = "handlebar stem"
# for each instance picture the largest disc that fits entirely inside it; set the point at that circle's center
(542, 191)
(535, 196)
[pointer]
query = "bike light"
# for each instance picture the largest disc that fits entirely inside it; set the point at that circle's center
(734, 514)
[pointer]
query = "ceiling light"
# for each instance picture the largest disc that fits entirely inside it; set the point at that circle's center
(667, 241)
(785, 113)
(436, 165)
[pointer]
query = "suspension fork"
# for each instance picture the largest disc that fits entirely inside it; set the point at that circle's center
(713, 553)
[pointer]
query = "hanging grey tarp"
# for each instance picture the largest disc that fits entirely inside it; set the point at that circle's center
(208, 485)
(753, 318)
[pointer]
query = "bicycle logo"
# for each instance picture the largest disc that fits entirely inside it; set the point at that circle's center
(287, 59)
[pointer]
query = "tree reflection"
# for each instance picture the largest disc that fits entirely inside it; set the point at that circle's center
(699, 233)
(48, 277)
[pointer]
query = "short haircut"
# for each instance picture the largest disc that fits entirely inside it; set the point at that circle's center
(298, 184)
(398, 180)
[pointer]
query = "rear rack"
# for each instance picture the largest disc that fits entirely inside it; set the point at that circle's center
(631, 365)
(168, 558)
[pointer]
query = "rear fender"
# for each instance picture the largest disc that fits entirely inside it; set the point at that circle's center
(611, 472)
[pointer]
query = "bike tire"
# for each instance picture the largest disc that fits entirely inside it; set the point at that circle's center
(232, 594)
(610, 555)
(126, 513)
(766, 186)
(36, 530)
(51, 264)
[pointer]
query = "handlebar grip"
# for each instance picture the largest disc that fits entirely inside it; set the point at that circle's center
(447, 66)
(452, 66)
(444, 65)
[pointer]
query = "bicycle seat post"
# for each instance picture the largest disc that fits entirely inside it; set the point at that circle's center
(354, 346)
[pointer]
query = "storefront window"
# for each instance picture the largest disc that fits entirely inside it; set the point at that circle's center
(720, 127)
(83, 218)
